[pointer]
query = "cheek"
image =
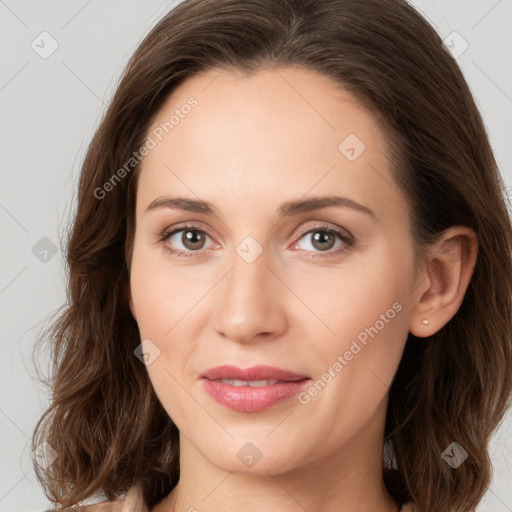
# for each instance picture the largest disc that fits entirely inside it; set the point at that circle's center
(165, 299)
(367, 309)
(355, 368)
(160, 294)
(370, 293)
(164, 307)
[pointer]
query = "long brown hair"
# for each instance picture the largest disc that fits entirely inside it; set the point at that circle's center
(105, 422)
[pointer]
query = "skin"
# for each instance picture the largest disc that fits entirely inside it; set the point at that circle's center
(251, 144)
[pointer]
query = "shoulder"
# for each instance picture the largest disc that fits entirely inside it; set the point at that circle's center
(103, 506)
(130, 502)
(409, 507)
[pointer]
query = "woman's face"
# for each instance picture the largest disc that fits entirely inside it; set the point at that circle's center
(274, 276)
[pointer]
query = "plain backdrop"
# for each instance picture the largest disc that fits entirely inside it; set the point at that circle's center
(50, 106)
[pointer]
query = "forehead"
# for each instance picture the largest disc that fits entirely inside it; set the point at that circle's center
(265, 101)
(279, 129)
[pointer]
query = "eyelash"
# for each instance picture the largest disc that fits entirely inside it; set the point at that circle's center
(347, 240)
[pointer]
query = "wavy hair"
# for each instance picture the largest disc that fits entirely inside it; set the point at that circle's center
(105, 421)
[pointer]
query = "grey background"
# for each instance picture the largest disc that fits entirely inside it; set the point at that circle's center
(50, 109)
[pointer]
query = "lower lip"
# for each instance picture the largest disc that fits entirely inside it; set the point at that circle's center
(249, 399)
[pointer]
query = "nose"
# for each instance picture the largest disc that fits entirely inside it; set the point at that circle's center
(250, 302)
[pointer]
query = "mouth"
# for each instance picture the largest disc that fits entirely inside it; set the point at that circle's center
(251, 389)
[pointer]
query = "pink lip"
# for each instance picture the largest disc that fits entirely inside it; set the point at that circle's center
(247, 398)
(260, 372)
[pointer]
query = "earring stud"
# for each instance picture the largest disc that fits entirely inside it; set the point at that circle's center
(424, 321)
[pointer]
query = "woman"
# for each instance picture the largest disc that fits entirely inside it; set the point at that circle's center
(213, 356)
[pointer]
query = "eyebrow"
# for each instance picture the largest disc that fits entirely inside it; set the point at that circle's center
(287, 209)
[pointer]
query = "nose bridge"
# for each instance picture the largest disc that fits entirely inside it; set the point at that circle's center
(249, 303)
(250, 273)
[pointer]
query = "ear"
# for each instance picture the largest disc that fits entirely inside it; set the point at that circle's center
(444, 280)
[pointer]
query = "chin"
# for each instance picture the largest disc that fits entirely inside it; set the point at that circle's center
(258, 456)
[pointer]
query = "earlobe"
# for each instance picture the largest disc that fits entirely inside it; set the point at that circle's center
(448, 272)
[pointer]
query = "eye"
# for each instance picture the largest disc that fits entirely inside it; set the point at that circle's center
(323, 239)
(185, 240)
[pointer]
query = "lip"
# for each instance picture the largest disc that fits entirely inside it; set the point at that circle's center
(247, 398)
(260, 372)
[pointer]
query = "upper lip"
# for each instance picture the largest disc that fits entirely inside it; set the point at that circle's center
(260, 372)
